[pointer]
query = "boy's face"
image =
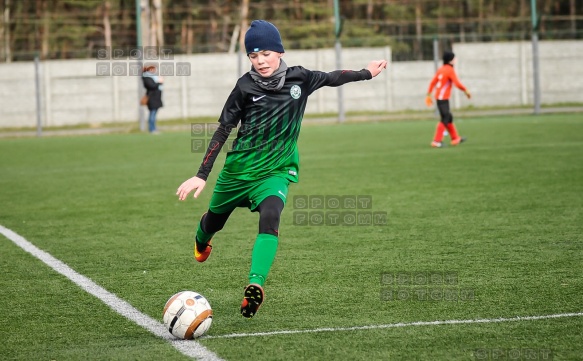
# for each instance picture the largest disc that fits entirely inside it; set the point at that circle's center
(265, 62)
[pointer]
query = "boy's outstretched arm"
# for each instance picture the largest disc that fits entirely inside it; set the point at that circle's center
(340, 77)
(376, 67)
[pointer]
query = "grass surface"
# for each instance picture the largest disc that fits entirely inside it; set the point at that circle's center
(501, 215)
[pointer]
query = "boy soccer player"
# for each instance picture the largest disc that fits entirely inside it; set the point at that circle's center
(269, 101)
(443, 81)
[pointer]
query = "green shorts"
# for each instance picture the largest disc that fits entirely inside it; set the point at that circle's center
(232, 193)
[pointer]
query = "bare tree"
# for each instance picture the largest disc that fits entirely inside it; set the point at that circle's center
(244, 23)
(156, 28)
(213, 26)
(546, 9)
(225, 30)
(523, 14)
(57, 27)
(189, 34)
(107, 24)
(234, 39)
(46, 28)
(480, 18)
(145, 20)
(3, 38)
(573, 16)
(464, 11)
(440, 17)
(418, 30)
(6, 33)
(369, 10)
(297, 10)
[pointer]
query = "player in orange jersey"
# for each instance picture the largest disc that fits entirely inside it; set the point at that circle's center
(445, 78)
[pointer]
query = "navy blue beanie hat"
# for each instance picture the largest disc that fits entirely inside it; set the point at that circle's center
(448, 57)
(263, 35)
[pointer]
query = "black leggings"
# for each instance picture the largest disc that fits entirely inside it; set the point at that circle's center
(269, 214)
(446, 116)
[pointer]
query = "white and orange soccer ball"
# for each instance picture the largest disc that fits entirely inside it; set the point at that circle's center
(187, 315)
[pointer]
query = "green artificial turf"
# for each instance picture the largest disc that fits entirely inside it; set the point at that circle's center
(489, 229)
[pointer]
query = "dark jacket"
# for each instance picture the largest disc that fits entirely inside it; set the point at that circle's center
(154, 93)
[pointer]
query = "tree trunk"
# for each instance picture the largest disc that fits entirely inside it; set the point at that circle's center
(481, 20)
(153, 26)
(145, 20)
(297, 10)
(573, 15)
(6, 33)
(156, 30)
(124, 18)
(441, 24)
(545, 10)
(159, 22)
(234, 39)
(418, 45)
(440, 18)
(189, 34)
(464, 6)
(153, 39)
(2, 37)
(244, 23)
(523, 14)
(45, 42)
(183, 34)
(225, 31)
(212, 29)
(107, 25)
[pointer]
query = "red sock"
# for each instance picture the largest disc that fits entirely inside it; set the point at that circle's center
(452, 131)
(439, 132)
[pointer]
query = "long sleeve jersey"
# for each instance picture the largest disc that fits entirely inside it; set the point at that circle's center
(443, 81)
(270, 122)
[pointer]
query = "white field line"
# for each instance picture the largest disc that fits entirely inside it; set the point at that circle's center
(189, 348)
(194, 349)
(397, 325)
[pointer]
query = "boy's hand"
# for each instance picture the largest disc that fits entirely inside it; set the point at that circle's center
(376, 66)
(428, 101)
(188, 186)
(468, 94)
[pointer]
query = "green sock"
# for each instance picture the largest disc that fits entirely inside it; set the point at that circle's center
(262, 257)
(202, 238)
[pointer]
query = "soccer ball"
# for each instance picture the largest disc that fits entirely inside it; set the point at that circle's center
(187, 315)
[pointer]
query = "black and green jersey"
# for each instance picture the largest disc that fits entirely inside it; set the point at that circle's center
(269, 124)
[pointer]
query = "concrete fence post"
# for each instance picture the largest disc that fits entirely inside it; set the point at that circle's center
(47, 93)
(37, 89)
(388, 80)
(522, 63)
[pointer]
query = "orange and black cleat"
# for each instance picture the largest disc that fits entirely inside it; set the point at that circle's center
(458, 140)
(202, 251)
(252, 300)
(435, 144)
(202, 255)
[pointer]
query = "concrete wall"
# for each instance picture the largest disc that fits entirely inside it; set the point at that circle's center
(78, 92)
(502, 73)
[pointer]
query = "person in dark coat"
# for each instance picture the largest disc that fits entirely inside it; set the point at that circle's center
(153, 84)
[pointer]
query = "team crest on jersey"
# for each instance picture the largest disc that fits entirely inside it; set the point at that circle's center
(295, 91)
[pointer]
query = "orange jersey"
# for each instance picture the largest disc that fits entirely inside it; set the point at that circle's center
(443, 81)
